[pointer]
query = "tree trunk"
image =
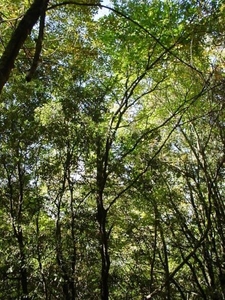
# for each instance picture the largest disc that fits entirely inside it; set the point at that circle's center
(102, 218)
(104, 253)
(23, 269)
(18, 38)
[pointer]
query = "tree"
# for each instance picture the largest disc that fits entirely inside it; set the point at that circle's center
(112, 153)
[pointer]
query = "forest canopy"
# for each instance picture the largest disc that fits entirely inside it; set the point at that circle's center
(112, 150)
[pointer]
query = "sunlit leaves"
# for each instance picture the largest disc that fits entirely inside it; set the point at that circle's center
(136, 99)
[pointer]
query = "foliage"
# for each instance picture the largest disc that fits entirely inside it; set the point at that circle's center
(112, 156)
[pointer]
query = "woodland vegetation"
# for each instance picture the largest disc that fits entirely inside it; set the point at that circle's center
(112, 150)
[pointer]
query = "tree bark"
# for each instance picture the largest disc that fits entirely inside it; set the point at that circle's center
(18, 38)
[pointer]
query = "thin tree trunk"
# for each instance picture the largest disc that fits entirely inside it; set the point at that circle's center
(23, 269)
(104, 253)
(102, 218)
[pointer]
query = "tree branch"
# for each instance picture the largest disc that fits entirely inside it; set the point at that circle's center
(38, 44)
